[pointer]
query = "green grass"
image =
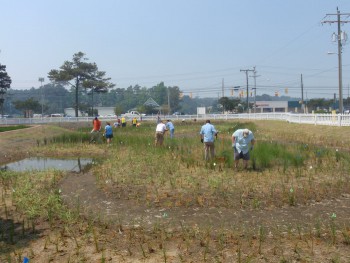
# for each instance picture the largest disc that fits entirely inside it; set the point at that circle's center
(12, 128)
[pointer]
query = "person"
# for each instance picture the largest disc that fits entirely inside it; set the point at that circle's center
(160, 130)
(108, 133)
(123, 122)
(134, 121)
(96, 130)
(170, 126)
(117, 123)
(241, 139)
(207, 134)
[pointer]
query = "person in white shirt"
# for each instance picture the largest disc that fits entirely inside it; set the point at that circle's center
(160, 130)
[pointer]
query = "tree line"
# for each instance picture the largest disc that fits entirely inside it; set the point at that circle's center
(54, 98)
(79, 84)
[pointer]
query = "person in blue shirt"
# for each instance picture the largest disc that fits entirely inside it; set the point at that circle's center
(241, 139)
(171, 128)
(207, 134)
(108, 133)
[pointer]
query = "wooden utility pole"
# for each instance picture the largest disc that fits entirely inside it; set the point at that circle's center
(340, 37)
(246, 74)
(255, 76)
(302, 93)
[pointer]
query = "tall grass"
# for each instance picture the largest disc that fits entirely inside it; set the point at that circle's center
(176, 174)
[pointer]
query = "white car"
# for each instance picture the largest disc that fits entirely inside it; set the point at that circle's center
(132, 114)
(111, 116)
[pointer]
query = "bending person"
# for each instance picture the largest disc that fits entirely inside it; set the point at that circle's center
(241, 139)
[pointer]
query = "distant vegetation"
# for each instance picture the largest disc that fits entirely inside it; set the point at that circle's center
(11, 128)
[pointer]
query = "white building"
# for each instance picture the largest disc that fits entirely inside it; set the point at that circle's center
(102, 111)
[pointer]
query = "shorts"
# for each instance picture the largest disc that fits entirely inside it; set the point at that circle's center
(240, 155)
(109, 136)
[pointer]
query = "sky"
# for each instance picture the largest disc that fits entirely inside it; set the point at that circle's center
(201, 46)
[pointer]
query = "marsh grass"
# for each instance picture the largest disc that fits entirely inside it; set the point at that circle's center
(178, 167)
(71, 137)
(12, 128)
(176, 175)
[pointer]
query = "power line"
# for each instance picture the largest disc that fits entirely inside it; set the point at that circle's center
(339, 40)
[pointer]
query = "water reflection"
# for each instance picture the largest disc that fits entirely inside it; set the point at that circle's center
(38, 163)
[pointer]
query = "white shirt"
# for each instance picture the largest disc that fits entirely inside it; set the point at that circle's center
(161, 127)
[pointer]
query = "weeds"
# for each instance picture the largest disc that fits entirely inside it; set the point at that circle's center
(333, 228)
(177, 179)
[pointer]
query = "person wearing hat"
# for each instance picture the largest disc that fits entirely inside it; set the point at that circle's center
(207, 134)
(171, 128)
(241, 139)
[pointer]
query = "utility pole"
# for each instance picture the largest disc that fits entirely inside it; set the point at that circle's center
(168, 101)
(41, 91)
(246, 74)
(255, 76)
(223, 88)
(340, 36)
(348, 97)
(302, 93)
(223, 95)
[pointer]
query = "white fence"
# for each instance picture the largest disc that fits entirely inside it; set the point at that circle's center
(316, 119)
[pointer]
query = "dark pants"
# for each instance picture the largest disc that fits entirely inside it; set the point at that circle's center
(241, 155)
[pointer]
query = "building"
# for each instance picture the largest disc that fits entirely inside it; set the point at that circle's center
(278, 106)
(102, 111)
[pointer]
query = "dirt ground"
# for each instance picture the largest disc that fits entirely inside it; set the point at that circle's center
(83, 188)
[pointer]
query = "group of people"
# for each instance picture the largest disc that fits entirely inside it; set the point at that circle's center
(161, 129)
(122, 122)
(108, 131)
(242, 139)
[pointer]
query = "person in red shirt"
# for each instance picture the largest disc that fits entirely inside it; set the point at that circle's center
(96, 130)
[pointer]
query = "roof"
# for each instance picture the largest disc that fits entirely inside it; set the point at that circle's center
(151, 102)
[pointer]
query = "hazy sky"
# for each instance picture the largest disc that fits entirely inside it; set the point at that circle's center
(192, 44)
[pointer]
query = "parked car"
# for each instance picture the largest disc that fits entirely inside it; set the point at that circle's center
(111, 116)
(56, 115)
(132, 114)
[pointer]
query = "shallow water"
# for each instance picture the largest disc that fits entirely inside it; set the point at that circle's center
(40, 164)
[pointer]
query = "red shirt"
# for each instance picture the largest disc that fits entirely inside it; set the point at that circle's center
(97, 125)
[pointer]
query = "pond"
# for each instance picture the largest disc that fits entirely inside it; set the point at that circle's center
(38, 163)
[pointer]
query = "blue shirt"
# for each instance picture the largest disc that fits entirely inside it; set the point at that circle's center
(109, 130)
(241, 142)
(208, 131)
(170, 125)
